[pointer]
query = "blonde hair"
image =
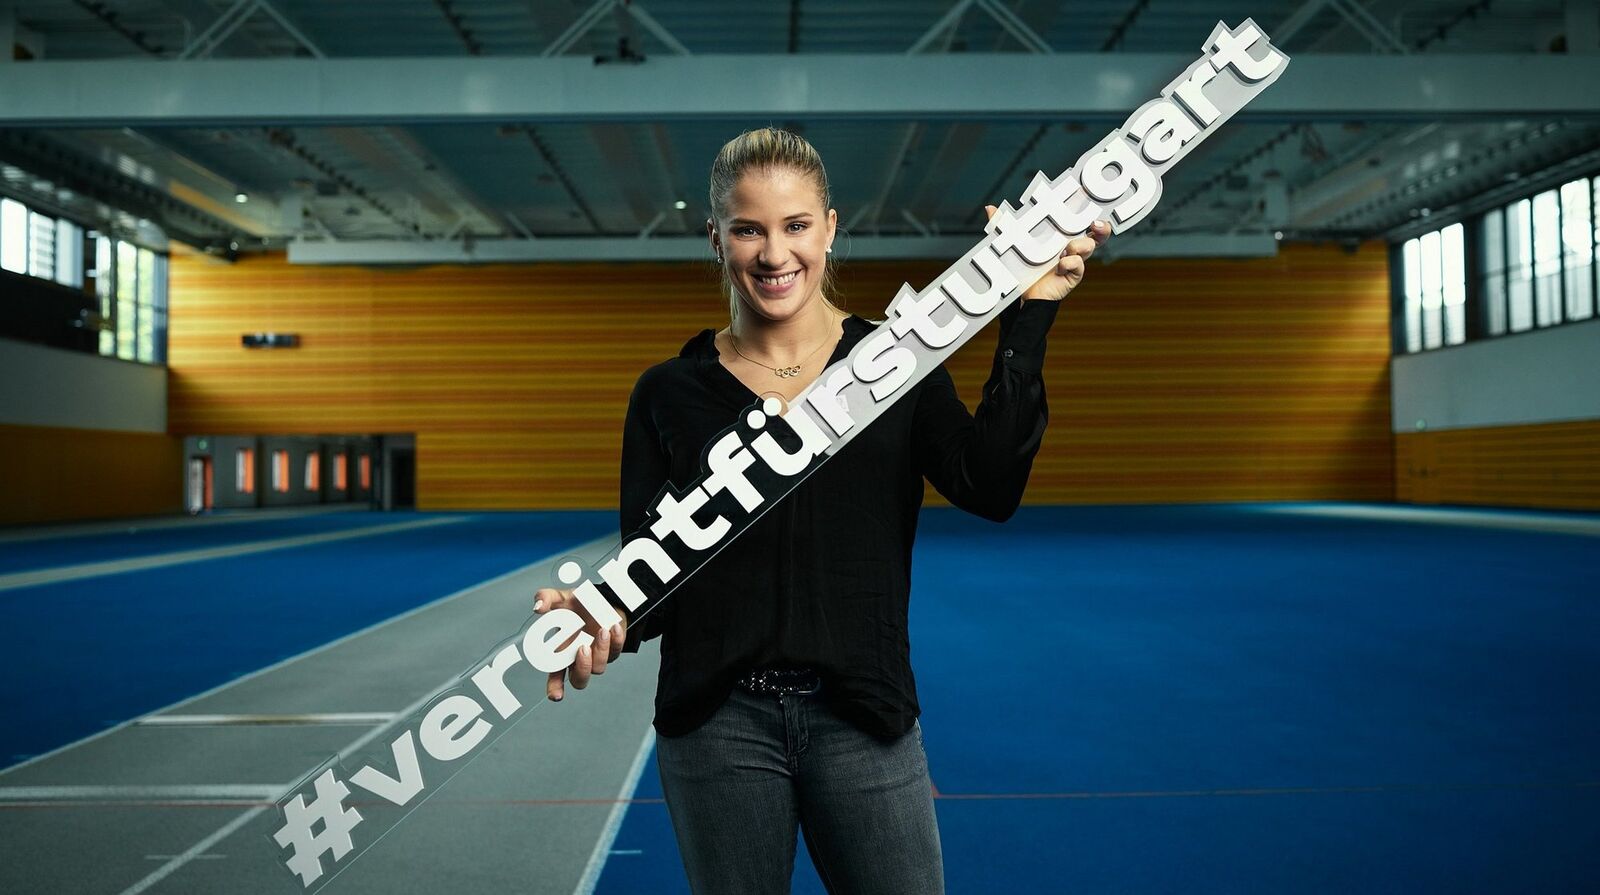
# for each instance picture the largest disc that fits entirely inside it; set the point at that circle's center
(762, 150)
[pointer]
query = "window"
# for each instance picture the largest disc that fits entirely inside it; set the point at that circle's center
(1577, 248)
(366, 471)
(1519, 255)
(280, 471)
(1411, 259)
(314, 471)
(127, 286)
(130, 282)
(1494, 270)
(41, 246)
(13, 236)
(1537, 261)
(1453, 260)
(245, 471)
(69, 254)
(145, 298)
(104, 288)
(1546, 259)
(341, 471)
(1435, 289)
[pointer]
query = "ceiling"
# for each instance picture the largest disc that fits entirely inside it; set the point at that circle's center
(608, 182)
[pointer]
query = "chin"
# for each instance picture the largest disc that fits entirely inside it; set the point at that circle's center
(779, 307)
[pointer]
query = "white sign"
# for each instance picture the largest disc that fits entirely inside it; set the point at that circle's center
(747, 468)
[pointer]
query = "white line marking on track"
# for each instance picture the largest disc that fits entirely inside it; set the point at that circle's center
(1517, 521)
(36, 577)
(194, 851)
(281, 663)
(250, 792)
(350, 750)
(230, 720)
(608, 835)
(160, 523)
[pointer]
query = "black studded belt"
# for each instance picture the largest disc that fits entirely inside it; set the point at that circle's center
(778, 681)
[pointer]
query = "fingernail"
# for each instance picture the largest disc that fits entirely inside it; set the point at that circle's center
(538, 605)
(584, 651)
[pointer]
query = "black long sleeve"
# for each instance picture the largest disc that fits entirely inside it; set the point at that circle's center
(980, 461)
(823, 577)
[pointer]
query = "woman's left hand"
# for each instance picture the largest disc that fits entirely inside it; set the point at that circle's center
(1069, 269)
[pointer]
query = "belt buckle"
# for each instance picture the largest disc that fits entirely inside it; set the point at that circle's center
(778, 682)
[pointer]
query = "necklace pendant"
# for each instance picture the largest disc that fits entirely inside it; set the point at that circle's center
(787, 372)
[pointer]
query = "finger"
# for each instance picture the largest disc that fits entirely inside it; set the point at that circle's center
(1101, 231)
(548, 598)
(579, 672)
(1070, 266)
(553, 689)
(1083, 246)
(989, 211)
(618, 638)
(602, 651)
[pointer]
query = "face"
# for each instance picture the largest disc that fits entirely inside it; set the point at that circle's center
(775, 241)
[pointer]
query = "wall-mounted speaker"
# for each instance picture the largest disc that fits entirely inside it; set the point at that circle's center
(270, 340)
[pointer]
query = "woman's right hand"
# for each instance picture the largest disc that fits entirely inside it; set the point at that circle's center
(591, 659)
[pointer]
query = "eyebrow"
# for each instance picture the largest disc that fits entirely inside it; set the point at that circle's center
(792, 217)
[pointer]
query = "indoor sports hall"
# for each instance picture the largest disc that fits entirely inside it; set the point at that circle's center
(324, 325)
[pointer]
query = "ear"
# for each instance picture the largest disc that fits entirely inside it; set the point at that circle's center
(713, 237)
(833, 225)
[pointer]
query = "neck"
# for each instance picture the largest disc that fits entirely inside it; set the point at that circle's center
(783, 342)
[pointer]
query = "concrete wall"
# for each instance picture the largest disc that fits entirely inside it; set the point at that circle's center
(53, 387)
(1541, 376)
(83, 437)
(1511, 421)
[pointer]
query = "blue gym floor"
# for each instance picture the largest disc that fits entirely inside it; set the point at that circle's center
(1221, 699)
(1197, 699)
(80, 656)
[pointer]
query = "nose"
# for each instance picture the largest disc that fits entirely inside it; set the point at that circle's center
(774, 252)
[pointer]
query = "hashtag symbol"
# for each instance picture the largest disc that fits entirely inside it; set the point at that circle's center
(301, 819)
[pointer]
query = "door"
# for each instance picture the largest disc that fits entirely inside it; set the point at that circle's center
(403, 479)
(199, 484)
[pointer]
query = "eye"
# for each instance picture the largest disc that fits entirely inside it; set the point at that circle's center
(796, 226)
(744, 231)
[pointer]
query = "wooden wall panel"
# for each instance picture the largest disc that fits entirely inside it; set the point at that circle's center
(1168, 380)
(1547, 465)
(55, 474)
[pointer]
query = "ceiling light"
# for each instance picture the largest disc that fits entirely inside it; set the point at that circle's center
(680, 205)
(240, 198)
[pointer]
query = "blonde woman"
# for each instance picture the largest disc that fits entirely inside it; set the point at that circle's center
(785, 699)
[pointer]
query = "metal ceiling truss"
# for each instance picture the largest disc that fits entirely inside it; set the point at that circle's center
(181, 221)
(236, 15)
(596, 13)
(907, 88)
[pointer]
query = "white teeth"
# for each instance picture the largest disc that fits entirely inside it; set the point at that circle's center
(779, 281)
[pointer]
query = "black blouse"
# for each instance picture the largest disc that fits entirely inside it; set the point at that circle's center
(823, 578)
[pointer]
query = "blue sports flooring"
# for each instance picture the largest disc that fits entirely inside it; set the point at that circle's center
(1198, 699)
(1219, 699)
(80, 656)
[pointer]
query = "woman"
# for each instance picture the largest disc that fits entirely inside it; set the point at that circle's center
(785, 696)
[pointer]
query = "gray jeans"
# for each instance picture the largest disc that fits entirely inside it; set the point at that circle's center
(738, 787)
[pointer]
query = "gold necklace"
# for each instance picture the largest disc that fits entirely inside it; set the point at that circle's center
(781, 372)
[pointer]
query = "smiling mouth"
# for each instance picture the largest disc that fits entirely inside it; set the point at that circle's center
(784, 280)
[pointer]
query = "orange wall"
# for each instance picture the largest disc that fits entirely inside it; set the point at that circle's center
(54, 474)
(1542, 465)
(1168, 380)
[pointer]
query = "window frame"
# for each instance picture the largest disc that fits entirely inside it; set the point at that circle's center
(1507, 299)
